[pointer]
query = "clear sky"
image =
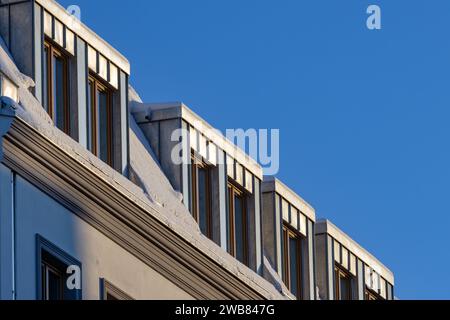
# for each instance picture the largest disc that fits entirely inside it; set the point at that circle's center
(363, 115)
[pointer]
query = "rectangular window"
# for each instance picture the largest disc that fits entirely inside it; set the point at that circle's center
(292, 261)
(343, 283)
(111, 292)
(99, 126)
(55, 85)
(237, 223)
(55, 268)
(371, 295)
(201, 194)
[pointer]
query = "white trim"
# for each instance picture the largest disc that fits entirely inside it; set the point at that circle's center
(325, 226)
(272, 184)
(86, 34)
(171, 110)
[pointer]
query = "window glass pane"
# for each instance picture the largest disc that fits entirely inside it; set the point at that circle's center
(59, 92)
(293, 266)
(240, 228)
(54, 283)
(103, 126)
(203, 200)
(344, 288)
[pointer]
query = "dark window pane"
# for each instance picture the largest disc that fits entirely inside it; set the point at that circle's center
(203, 200)
(240, 231)
(46, 80)
(54, 283)
(344, 288)
(293, 267)
(111, 297)
(103, 126)
(58, 93)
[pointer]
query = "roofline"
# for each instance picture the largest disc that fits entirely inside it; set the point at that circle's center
(84, 32)
(171, 110)
(327, 227)
(272, 184)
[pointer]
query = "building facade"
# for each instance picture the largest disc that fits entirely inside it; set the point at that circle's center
(103, 196)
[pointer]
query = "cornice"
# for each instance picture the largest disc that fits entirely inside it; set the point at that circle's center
(97, 202)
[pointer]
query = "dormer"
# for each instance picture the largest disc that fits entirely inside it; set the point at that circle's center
(220, 184)
(288, 228)
(346, 271)
(80, 80)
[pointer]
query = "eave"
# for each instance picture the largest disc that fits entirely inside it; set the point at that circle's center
(130, 224)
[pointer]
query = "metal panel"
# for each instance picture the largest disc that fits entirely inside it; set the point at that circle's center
(258, 236)
(124, 121)
(360, 278)
(330, 267)
(312, 285)
(82, 92)
(223, 180)
(185, 172)
(38, 52)
(278, 235)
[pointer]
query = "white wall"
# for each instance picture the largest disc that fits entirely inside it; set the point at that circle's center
(36, 213)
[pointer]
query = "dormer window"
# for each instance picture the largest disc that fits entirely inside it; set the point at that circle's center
(343, 283)
(201, 206)
(55, 85)
(100, 119)
(237, 224)
(372, 295)
(292, 261)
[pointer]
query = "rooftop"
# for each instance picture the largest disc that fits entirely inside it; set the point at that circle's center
(327, 227)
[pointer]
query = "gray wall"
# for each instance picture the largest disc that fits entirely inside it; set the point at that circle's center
(16, 28)
(36, 213)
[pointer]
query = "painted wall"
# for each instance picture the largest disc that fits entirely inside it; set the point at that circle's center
(37, 213)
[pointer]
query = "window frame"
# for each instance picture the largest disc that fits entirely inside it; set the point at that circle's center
(289, 233)
(61, 257)
(53, 49)
(107, 288)
(371, 295)
(338, 272)
(98, 85)
(196, 164)
(232, 191)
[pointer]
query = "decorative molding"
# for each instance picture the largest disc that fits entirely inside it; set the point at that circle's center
(134, 228)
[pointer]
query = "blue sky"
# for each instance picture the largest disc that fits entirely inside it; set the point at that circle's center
(363, 115)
